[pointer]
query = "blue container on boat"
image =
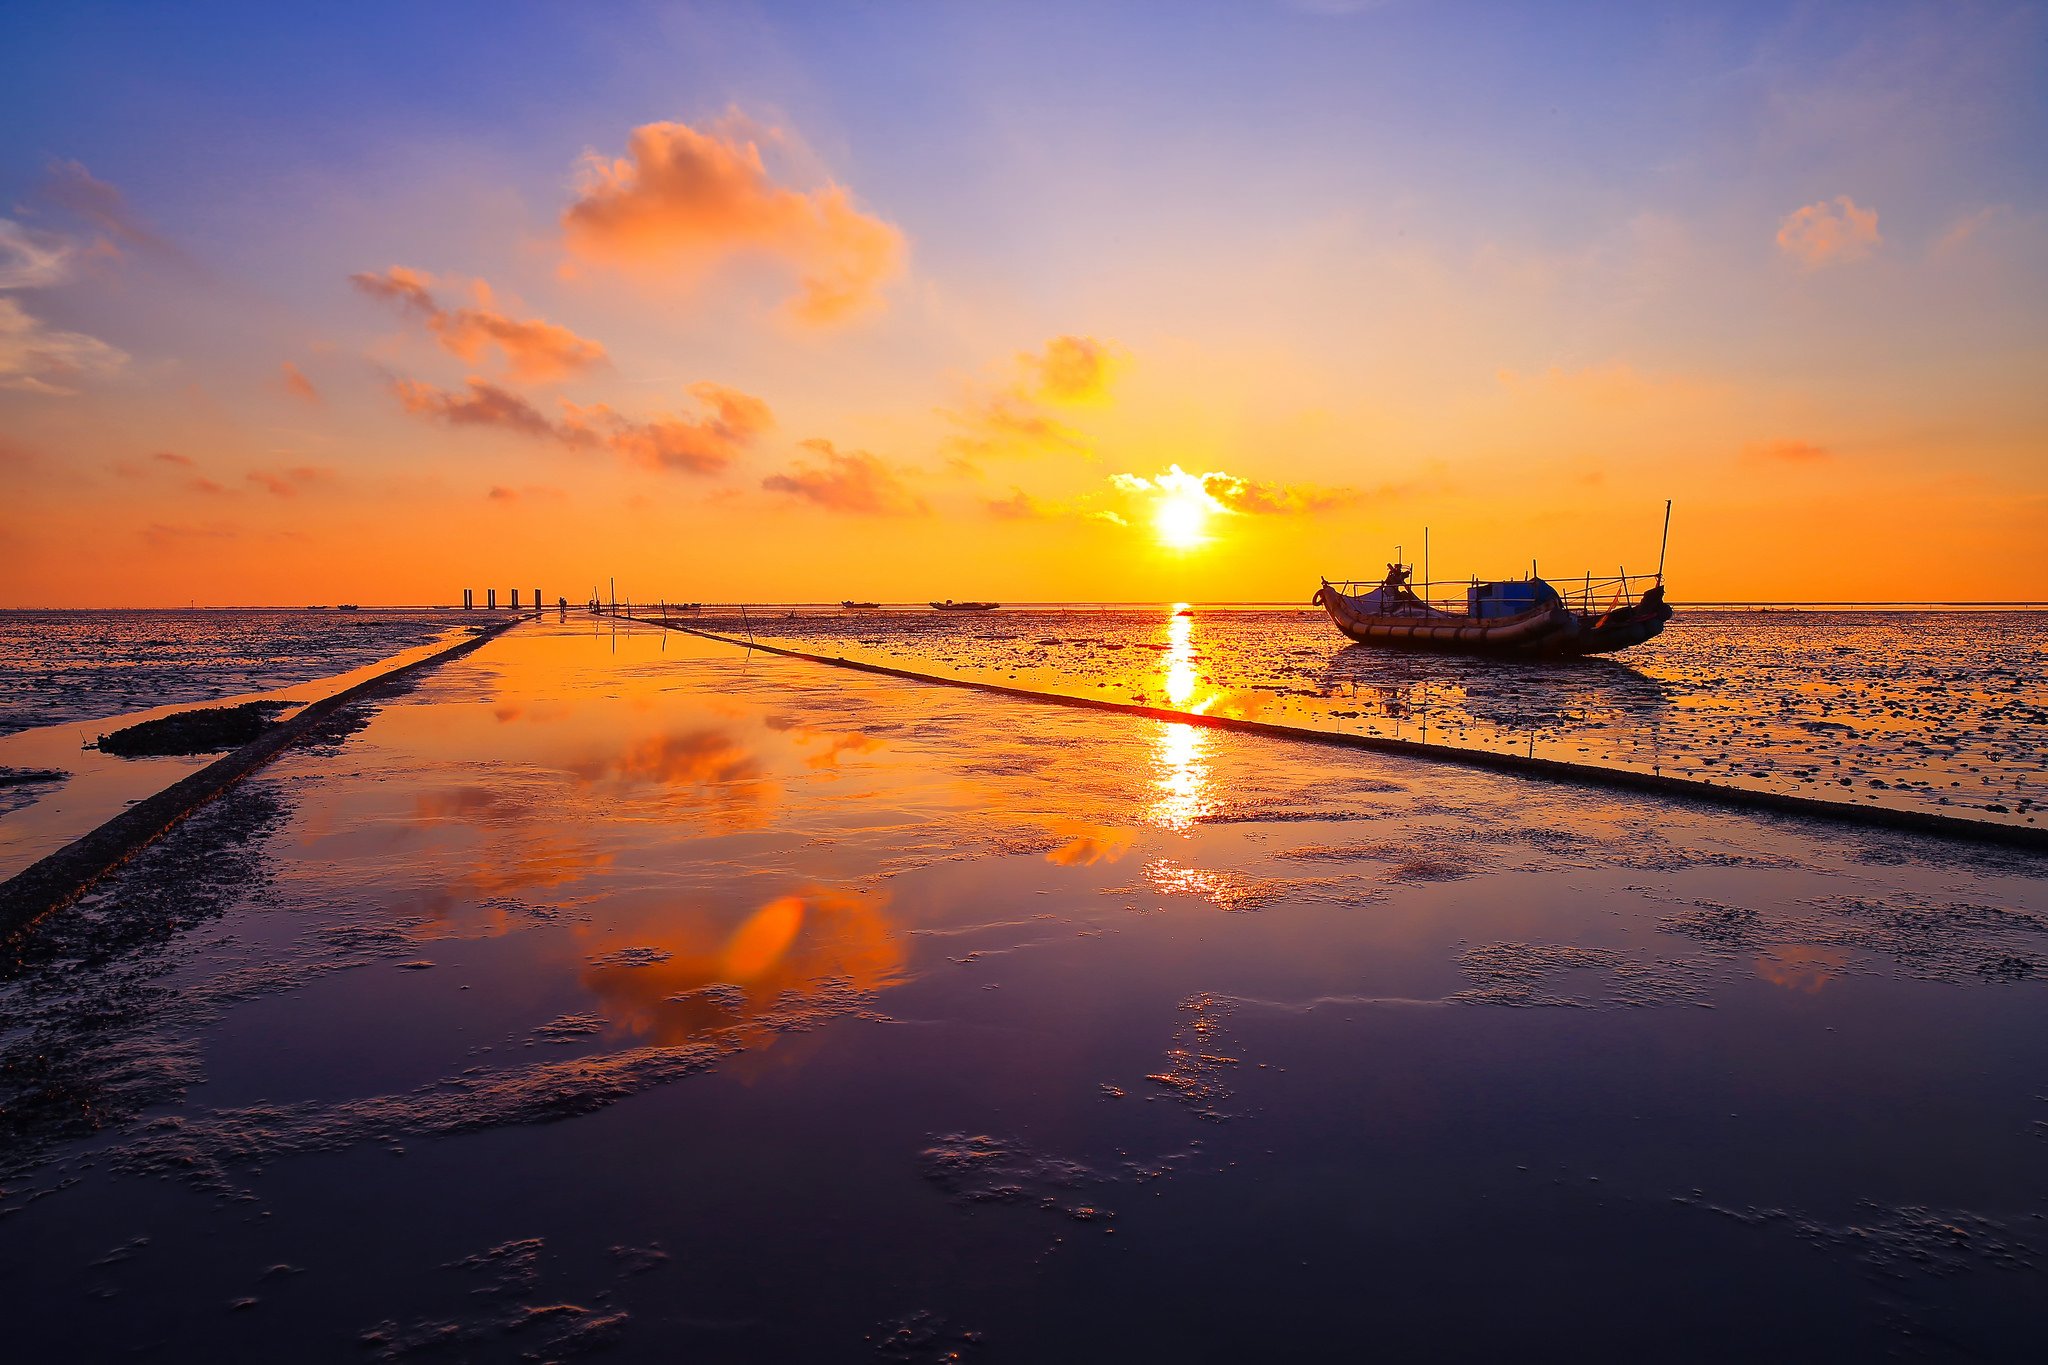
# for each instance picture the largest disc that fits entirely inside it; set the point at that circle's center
(1489, 600)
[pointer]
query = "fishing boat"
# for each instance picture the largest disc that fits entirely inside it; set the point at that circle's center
(852, 605)
(950, 605)
(1524, 616)
(348, 606)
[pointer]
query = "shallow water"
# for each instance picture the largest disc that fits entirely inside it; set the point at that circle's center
(67, 667)
(615, 990)
(1943, 711)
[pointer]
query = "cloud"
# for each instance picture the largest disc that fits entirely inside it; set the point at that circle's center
(1829, 232)
(172, 457)
(682, 199)
(30, 259)
(1787, 452)
(297, 385)
(483, 404)
(847, 481)
(1020, 506)
(1273, 499)
(289, 483)
(71, 186)
(39, 359)
(535, 350)
(699, 445)
(546, 492)
(1223, 492)
(1072, 371)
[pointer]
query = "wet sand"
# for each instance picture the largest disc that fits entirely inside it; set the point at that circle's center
(618, 990)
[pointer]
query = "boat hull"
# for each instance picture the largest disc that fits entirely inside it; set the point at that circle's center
(1549, 630)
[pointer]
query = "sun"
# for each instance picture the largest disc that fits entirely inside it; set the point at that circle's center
(1182, 518)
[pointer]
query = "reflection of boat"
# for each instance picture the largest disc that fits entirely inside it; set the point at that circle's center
(852, 605)
(1514, 616)
(950, 605)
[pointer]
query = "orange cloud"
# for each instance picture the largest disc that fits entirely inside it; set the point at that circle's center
(848, 481)
(483, 405)
(685, 199)
(1072, 371)
(1020, 506)
(702, 445)
(1787, 452)
(1829, 232)
(535, 350)
(289, 483)
(297, 385)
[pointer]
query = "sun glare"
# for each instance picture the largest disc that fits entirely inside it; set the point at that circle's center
(1181, 520)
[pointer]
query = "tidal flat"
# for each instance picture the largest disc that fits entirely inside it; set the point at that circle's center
(617, 990)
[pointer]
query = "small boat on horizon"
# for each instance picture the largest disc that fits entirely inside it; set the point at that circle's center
(1524, 616)
(348, 606)
(950, 605)
(852, 605)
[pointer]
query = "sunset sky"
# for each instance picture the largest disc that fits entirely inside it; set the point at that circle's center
(1030, 302)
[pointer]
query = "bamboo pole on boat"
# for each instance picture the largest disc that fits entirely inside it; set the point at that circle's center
(1665, 543)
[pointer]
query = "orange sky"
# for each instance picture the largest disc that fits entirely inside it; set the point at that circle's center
(798, 333)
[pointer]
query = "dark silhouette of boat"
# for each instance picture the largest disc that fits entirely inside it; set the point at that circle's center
(1524, 616)
(851, 605)
(950, 605)
(348, 606)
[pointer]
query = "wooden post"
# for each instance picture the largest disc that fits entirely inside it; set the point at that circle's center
(491, 599)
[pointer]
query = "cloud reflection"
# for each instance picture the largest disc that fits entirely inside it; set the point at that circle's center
(783, 956)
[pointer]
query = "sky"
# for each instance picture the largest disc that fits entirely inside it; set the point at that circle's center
(1028, 302)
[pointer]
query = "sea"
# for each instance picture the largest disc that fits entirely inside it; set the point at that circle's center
(1937, 710)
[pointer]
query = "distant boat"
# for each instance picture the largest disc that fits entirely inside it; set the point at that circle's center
(1185, 611)
(950, 605)
(1523, 616)
(348, 606)
(851, 605)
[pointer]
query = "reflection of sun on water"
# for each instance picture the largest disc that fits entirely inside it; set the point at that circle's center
(1179, 761)
(1180, 657)
(1180, 775)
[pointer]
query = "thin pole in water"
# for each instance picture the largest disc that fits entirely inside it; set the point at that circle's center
(1425, 567)
(1665, 543)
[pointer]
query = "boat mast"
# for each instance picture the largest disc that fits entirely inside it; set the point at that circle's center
(1665, 543)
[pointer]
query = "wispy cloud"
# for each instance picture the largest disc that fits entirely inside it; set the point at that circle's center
(1786, 452)
(682, 200)
(1833, 231)
(296, 384)
(289, 483)
(72, 187)
(1019, 414)
(847, 481)
(535, 350)
(705, 444)
(35, 358)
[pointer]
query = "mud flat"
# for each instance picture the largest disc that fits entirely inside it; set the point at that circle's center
(611, 990)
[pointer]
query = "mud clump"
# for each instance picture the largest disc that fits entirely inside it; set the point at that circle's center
(208, 730)
(1524, 975)
(923, 1338)
(981, 1169)
(508, 1278)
